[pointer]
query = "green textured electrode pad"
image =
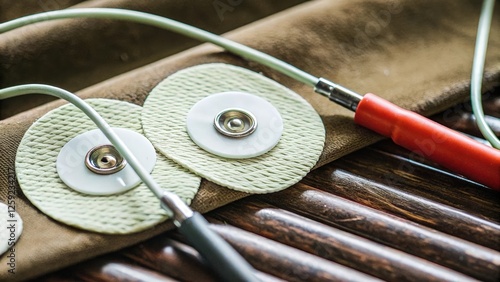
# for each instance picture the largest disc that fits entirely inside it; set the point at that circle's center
(301, 143)
(131, 211)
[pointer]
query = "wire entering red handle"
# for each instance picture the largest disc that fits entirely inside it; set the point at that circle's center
(427, 138)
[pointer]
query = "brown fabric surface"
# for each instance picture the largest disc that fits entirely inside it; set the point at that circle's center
(15, 9)
(74, 54)
(417, 54)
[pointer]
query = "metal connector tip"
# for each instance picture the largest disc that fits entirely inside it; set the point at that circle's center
(338, 94)
(172, 203)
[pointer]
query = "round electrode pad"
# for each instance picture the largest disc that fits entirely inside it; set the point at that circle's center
(131, 211)
(11, 227)
(166, 113)
(90, 165)
(234, 125)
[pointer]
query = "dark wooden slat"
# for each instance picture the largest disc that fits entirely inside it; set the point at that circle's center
(108, 268)
(408, 174)
(59, 276)
(170, 257)
(466, 122)
(286, 262)
(418, 209)
(452, 252)
(333, 244)
(491, 105)
(177, 260)
(124, 272)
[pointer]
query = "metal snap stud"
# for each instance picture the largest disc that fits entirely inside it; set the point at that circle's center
(104, 159)
(235, 123)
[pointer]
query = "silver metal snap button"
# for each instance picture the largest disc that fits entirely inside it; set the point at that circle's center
(104, 159)
(235, 123)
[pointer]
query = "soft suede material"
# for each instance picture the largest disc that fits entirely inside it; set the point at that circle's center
(417, 54)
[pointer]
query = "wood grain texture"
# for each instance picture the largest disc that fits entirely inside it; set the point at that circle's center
(333, 244)
(172, 258)
(107, 268)
(461, 118)
(286, 262)
(379, 213)
(406, 205)
(176, 259)
(388, 230)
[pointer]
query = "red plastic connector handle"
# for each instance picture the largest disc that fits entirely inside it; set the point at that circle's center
(429, 139)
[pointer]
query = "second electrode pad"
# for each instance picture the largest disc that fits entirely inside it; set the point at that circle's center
(130, 211)
(165, 116)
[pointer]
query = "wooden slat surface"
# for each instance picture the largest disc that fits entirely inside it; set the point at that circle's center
(381, 213)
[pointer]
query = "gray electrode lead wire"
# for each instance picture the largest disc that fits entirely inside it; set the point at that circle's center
(483, 31)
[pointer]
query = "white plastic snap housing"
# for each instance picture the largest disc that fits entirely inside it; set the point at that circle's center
(234, 125)
(89, 163)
